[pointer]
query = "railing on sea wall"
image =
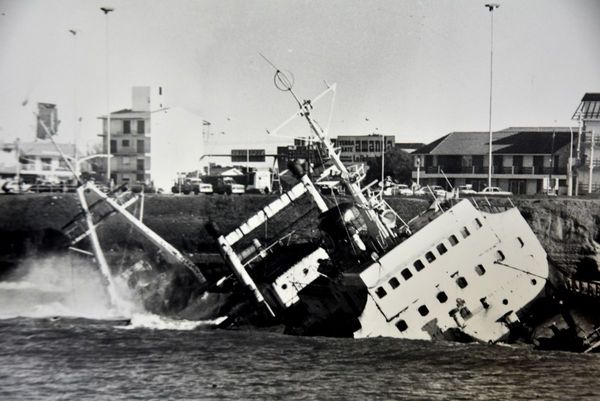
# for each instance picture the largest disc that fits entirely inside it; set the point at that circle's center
(587, 288)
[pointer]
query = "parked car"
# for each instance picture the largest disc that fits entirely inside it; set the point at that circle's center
(495, 191)
(227, 185)
(437, 190)
(465, 190)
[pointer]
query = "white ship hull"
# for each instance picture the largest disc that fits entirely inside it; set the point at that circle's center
(476, 284)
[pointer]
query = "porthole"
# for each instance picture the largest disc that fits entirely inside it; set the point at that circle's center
(406, 274)
(500, 256)
(465, 232)
(418, 265)
(442, 249)
(505, 301)
(533, 281)
(305, 271)
(477, 223)
(401, 325)
(461, 282)
(520, 240)
(423, 311)
(480, 270)
(380, 292)
(394, 283)
(442, 297)
(284, 286)
(430, 256)
(453, 240)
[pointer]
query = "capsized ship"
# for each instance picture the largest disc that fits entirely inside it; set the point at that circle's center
(458, 271)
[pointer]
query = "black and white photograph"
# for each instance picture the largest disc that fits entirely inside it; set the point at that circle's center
(299, 200)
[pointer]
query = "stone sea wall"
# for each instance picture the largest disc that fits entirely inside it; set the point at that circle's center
(31, 224)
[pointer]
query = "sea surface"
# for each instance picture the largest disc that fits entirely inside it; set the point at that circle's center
(60, 339)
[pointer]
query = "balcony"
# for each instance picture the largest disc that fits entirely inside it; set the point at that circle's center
(498, 170)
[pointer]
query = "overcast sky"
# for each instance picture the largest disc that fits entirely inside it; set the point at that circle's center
(414, 69)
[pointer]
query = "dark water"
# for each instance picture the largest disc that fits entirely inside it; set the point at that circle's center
(86, 359)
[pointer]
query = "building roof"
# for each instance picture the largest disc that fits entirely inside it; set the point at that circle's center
(589, 108)
(126, 113)
(540, 140)
(46, 149)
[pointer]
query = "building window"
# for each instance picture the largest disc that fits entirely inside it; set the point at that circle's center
(141, 126)
(401, 325)
(139, 177)
(126, 127)
(140, 146)
(430, 257)
(394, 283)
(480, 270)
(140, 164)
(406, 274)
(418, 265)
(442, 297)
(380, 292)
(125, 143)
(423, 311)
(126, 160)
(461, 282)
(453, 240)
(442, 249)
(46, 163)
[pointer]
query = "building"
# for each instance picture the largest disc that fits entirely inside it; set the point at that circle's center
(359, 148)
(151, 145)
(34, 161)
(588, 151)
(525, 159)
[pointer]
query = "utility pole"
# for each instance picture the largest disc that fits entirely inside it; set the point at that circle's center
(106, 11)
(491, 7)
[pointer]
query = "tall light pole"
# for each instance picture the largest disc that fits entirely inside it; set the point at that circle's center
(106, 11)
(491, 7)
(76, 119)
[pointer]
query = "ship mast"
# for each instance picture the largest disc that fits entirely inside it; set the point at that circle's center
(376, 226)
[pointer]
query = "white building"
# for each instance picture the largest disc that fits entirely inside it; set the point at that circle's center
(151, 143)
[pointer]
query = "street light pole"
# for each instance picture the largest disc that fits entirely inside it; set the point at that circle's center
(107, 10)
(491, 7)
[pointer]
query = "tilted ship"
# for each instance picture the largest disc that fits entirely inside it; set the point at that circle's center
(457, 271)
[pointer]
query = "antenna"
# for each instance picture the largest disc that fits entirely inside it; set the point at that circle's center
(282, 81)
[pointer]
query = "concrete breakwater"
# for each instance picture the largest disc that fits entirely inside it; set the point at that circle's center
(569, 229)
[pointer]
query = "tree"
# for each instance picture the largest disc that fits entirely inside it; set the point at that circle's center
(398, 165)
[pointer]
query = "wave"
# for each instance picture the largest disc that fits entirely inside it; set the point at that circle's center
(156, 322)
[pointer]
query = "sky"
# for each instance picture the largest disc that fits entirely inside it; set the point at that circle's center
(413, 69)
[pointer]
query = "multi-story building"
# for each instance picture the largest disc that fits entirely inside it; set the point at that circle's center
(150, 145)
(525, 160)
(34, 161)
(588, 115)
(362, 147)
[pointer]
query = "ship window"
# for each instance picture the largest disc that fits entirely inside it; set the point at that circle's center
(465, 232)
(430, 257)
(442, 249)
(461, 282)
(501, 256)
(478, 224)
(418, 265)
(521, 242)
(406, 274)
(401, 325)
(394, 283)
(480, 270)
(380, 292)
(284, 286)
(465, 313)
(423, 311)
(505, 301)
(442, 297)
(453, 240)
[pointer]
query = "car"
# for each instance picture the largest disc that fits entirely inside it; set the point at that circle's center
(494, 191)
(227, 185)
(437, 190)
(199, 187)
(465, 190)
